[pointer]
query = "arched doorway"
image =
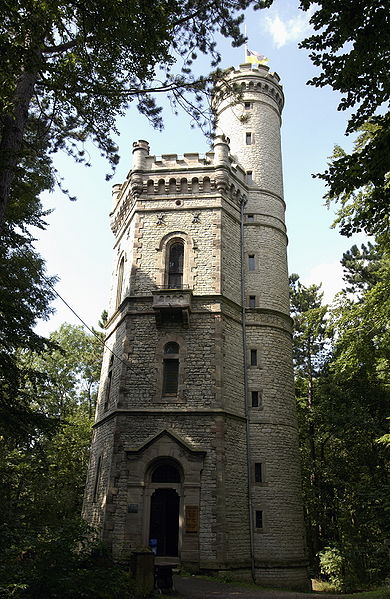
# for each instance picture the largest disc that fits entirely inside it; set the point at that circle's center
(165, 509)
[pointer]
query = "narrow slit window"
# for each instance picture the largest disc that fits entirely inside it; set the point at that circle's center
(256, 399)
(175, 266)
(248, 105)
(250, 218)
(251, 262)
(259, 518)
(248, 138)
(252, 301)
(97, 479)
(253, 357)
(249, 176)
(171, 369)
(258, 472)
(109, 383)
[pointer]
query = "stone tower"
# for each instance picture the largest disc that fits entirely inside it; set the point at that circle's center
(195, 442)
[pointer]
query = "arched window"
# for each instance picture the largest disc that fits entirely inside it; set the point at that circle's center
(166, 473)
(119, 287)
(175, 266)
(171, 368)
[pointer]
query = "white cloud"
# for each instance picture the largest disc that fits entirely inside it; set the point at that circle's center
(288, 30)
(331, 277)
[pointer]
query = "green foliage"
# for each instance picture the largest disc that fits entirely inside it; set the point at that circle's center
(333, 565)
(351, 47)
(343, 400)
(72, 367)
(77, 67)
(64, 562)
(359, 182)
(25, 289)
(45, 550)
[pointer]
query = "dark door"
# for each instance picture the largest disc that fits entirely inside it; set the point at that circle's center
(164, 521)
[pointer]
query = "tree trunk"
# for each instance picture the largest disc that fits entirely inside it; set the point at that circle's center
(13, 129)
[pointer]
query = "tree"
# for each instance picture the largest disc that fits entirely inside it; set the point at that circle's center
(352, 47)
(341, 372)
(25, 289)
(359, 370)
(361, 267)
(359, 181)
(77, 66)
(43, 472)
(310, 350)
(72, 369)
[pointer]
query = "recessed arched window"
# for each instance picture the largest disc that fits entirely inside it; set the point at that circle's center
(171, 368)
(119, 287)
(175, 266)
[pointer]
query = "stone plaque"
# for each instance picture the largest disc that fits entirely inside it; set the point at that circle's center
(192, 518)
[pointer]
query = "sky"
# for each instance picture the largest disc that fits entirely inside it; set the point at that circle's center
(77, 244)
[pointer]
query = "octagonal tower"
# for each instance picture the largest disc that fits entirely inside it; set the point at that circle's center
(195, 446)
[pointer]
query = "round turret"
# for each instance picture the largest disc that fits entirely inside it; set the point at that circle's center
(140, 151)
(253, 124)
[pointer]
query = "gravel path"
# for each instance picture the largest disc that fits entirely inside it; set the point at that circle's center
(192, 587)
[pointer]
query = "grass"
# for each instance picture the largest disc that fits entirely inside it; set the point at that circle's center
(320, 586)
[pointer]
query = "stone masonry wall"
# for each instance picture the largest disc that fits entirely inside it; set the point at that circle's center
(203, 428)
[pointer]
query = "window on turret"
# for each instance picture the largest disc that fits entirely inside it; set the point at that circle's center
(171, 368)
(252, 301)
(175, 266)
(250, 218)
(248, 105)
(259, 519)
(251, 262)
(249, 177)
(255, 399)
(253, 357)
(258, 472)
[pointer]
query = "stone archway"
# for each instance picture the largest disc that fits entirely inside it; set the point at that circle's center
(164, 478)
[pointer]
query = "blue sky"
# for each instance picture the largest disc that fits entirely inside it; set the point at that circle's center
(77, 244)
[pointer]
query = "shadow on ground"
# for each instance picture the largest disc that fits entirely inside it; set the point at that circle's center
(193, 587)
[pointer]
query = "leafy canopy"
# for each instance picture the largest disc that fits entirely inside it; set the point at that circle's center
(78, 65)
(351, 45)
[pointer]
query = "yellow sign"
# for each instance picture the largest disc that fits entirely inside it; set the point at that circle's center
(192, 518)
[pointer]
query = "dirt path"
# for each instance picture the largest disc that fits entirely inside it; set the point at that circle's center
(192, 587)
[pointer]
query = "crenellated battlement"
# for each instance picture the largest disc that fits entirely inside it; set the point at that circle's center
(158, 187)
(177, 161)
(188, 175)
(258, 79)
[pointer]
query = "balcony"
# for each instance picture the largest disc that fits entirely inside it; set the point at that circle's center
(172, 305)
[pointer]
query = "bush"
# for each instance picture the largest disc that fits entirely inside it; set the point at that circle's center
(332, 564)
(65, 563)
